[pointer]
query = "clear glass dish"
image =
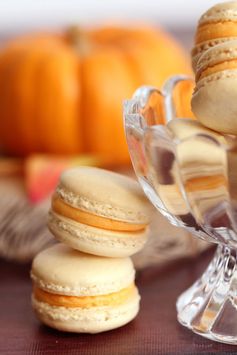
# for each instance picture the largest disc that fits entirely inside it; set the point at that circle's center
(189, 173)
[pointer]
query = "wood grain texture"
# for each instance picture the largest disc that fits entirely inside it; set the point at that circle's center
(155, 330)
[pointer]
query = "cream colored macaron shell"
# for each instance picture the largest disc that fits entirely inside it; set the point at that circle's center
(105, 194)
(79, 292)
(214, 98)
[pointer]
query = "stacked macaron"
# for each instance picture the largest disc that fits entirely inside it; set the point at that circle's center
(99, 212)
(216, 26)
(87, 283)
(214, 58)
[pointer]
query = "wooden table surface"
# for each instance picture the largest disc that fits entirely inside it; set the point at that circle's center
(154, 331)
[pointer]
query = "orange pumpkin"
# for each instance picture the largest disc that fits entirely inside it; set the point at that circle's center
(62, 94)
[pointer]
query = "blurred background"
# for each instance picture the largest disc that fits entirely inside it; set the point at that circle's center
(61, 94)
(177, 16)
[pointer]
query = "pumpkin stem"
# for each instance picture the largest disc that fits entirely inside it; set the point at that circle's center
(78, 39)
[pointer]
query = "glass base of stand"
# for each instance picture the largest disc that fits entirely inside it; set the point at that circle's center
(209, 307)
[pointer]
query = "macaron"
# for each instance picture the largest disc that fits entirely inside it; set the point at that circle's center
(214, 98)
(189, 168)
(201, 159)
(193, 141)
(99, 212)
(82, 293)
(216, 26)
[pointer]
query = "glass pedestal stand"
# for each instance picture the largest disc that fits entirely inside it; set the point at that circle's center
(189, 173)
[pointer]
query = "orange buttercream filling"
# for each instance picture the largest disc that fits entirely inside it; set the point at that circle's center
(93, 220)
(211, 31)
(226, 65)
(111, 299)
(205, 183)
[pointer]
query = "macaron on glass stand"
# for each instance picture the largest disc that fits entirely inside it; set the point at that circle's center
(214, 59)
(189, 173)
(216, 26)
